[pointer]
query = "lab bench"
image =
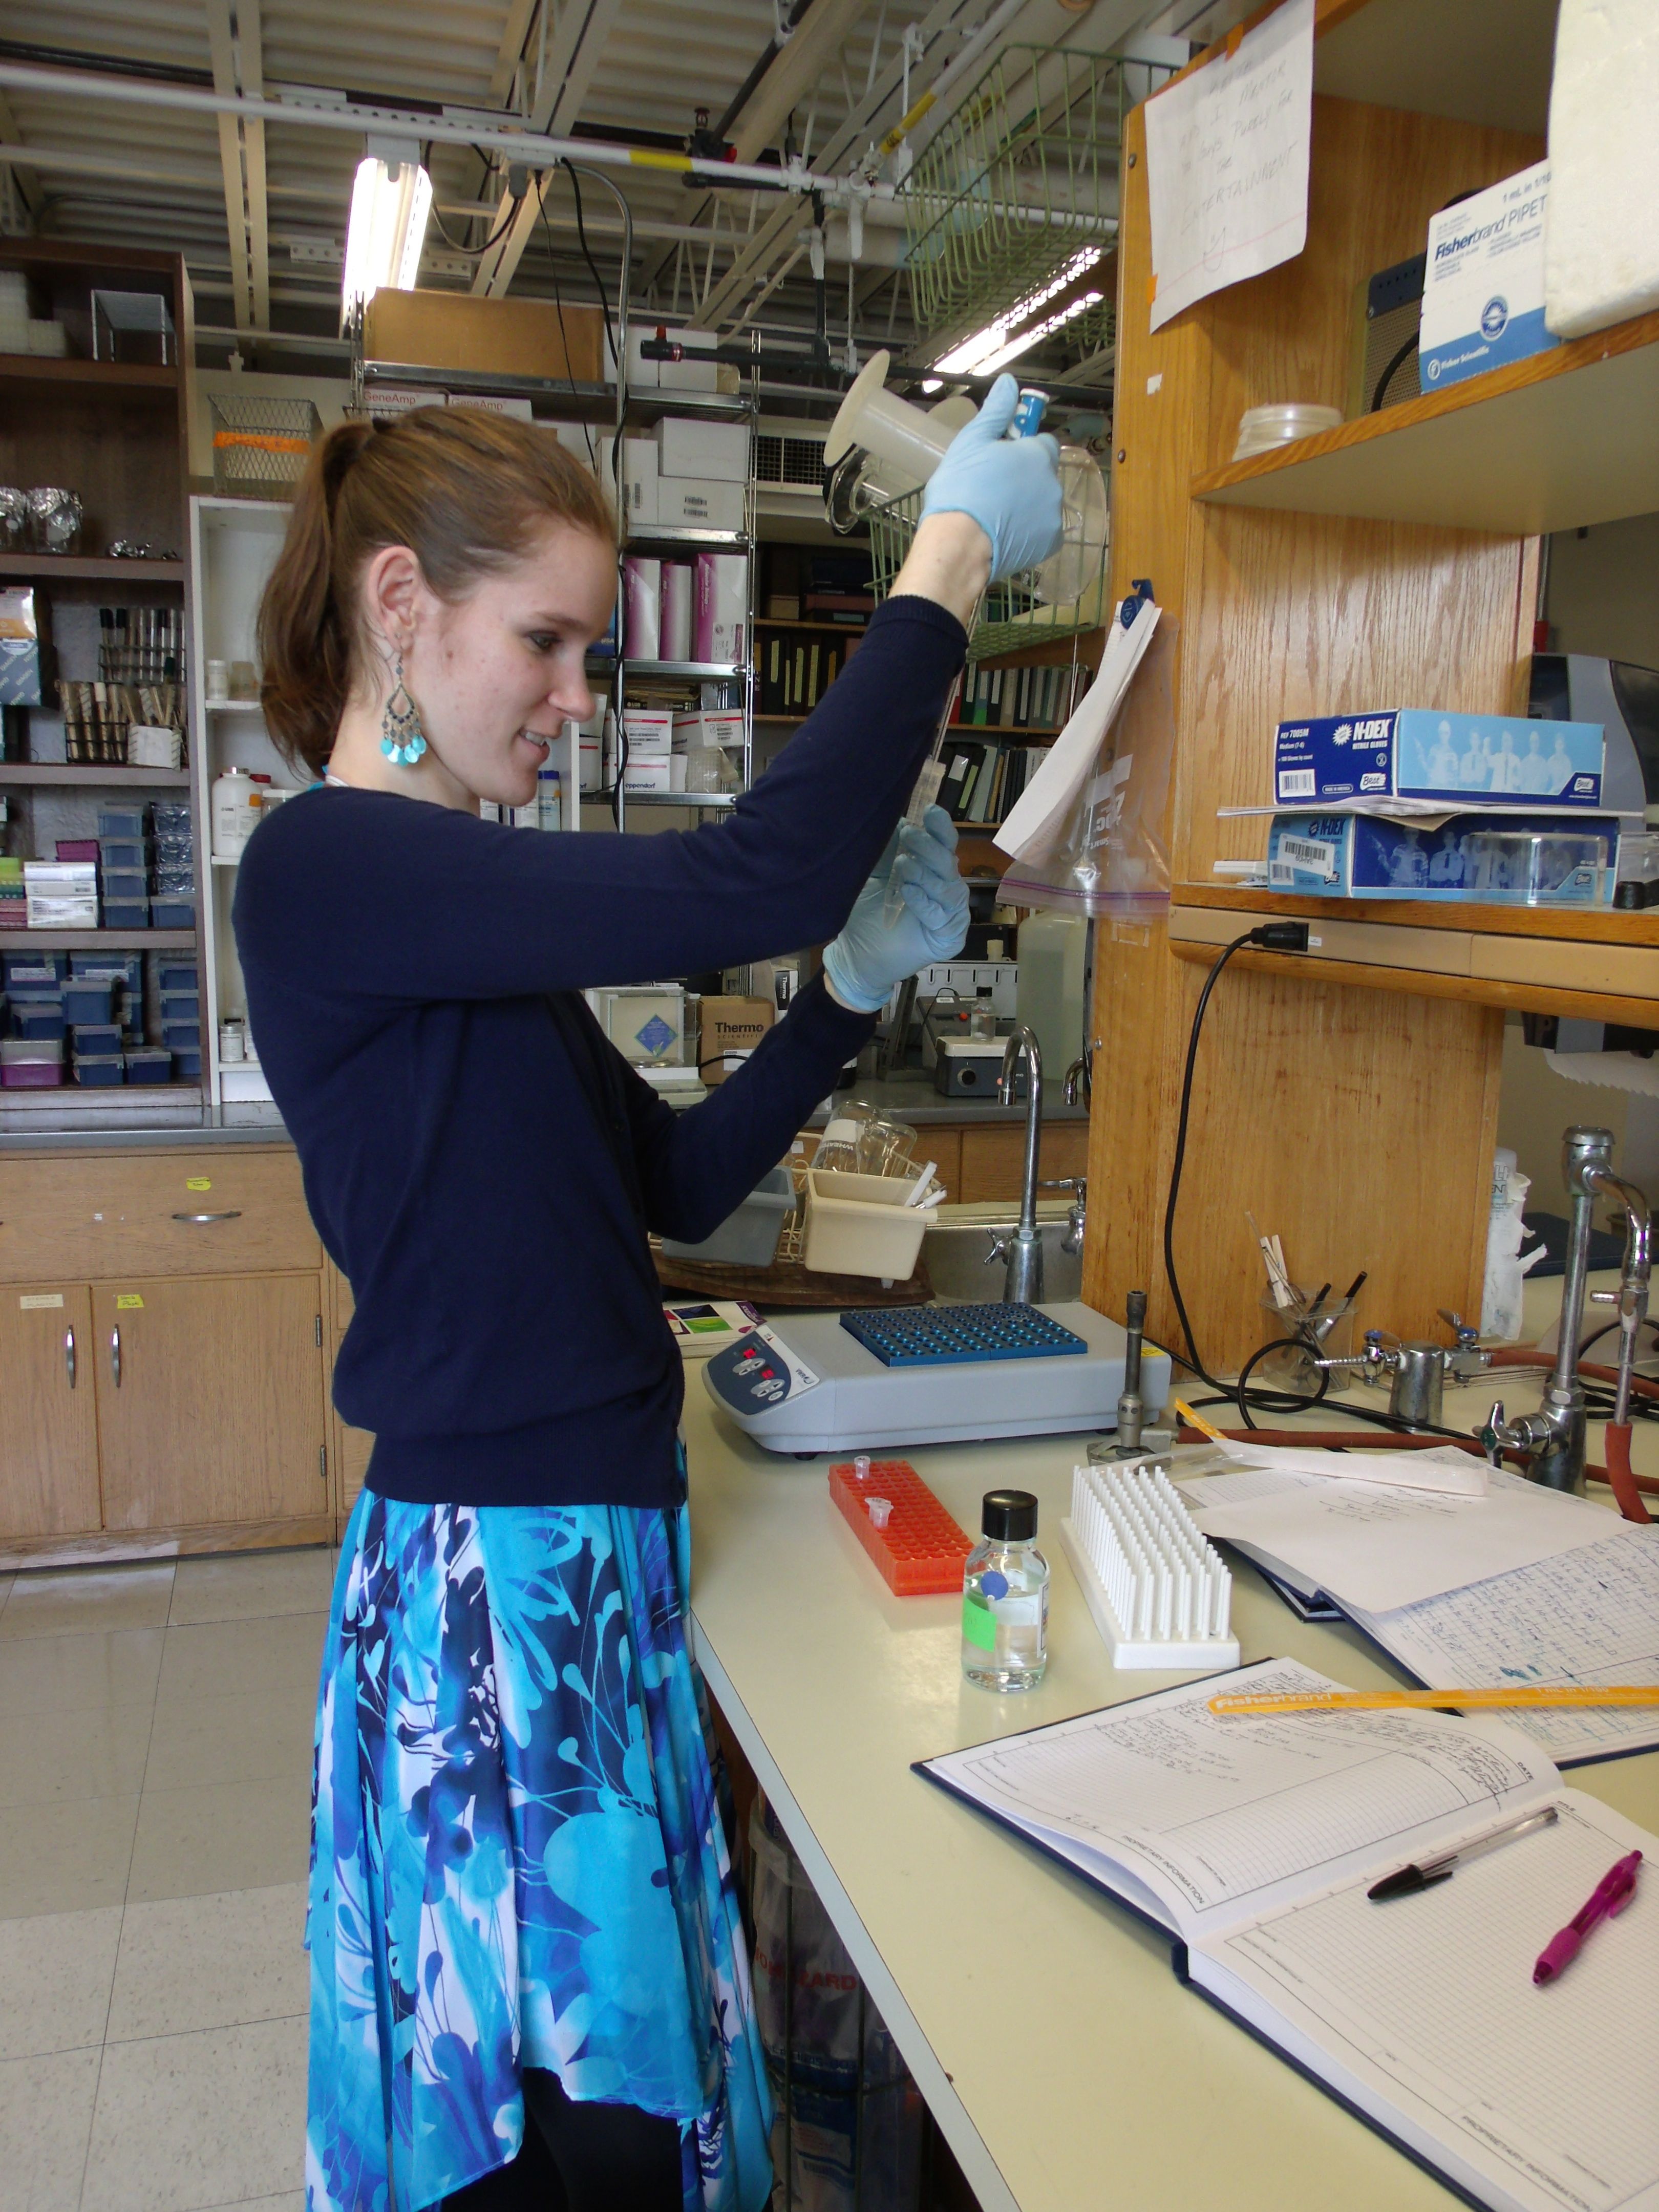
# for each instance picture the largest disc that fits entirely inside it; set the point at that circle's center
(1066, 2063)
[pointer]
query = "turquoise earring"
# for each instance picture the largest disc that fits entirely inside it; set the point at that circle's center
(402, 738)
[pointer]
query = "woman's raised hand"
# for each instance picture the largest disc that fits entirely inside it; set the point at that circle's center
(1009, 486)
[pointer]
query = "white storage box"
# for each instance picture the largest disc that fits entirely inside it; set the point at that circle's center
(686, 448)
(650, 730)
(859, 1224)
(720, 621)
(650, 774)
(700, 503)
(711, 726)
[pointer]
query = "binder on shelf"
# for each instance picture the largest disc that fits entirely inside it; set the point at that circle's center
(1253, 1844)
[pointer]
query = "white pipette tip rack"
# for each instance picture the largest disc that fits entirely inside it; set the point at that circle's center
(1159, 1593)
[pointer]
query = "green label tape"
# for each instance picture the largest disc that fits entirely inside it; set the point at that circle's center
(978, 1626)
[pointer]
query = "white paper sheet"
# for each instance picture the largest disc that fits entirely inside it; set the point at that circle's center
(1591, 1616)
(1042, 808)
(1381, 1548)
(1227, 163)
(1440, 1467)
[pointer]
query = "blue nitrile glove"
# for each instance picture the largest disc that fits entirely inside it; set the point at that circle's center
(1011, 486)
(872, 954)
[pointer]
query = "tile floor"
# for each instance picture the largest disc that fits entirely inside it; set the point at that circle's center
(155, 1802)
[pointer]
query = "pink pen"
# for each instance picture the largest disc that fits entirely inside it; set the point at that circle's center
(1611, 1894)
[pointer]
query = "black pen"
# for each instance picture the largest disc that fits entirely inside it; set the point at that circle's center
(1409, 1880)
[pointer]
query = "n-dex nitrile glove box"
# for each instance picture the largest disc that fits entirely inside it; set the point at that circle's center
(1417, 752)
(1368, 856)
(1483, 286)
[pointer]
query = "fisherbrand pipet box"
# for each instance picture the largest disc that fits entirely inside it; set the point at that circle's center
(1414, 752)
(1483, 286)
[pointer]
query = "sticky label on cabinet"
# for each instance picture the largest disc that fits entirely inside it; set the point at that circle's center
(198, 1183)
(38, 1301)
(127, 1301)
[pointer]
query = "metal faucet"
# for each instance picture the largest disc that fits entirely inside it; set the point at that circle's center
(1023, 1250)
(1552, 1438)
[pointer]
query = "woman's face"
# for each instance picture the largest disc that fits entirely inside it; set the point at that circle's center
(495, 675)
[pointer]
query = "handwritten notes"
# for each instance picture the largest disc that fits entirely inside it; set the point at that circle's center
(1227, 163)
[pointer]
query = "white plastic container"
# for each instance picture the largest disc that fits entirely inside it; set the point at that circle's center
(859, 1224)
(1049, 996)
(235, 813)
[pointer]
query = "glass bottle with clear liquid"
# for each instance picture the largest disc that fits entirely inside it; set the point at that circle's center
(1004, 1597)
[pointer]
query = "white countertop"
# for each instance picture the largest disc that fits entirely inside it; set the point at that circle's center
(1068, 2068)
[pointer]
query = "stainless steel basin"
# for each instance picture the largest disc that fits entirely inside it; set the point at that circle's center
(953, 1251)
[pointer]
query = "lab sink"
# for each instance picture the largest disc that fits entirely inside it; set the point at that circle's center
(953, 1251)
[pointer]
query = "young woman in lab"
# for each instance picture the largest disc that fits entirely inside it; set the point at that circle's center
(521, 1896)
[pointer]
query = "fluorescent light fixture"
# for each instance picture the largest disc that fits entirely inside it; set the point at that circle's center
(391, 201)
(933, 384)
(1014, 333)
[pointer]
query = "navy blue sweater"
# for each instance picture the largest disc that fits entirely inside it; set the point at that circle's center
(481, 1163)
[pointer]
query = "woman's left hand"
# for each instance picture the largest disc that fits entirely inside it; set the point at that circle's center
(874, 951)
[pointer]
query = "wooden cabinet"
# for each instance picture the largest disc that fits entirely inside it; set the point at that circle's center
(210, 1400)
(994, 1157)
(49, 1427)
(94, 1215)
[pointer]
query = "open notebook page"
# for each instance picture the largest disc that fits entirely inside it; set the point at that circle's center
(1422, 2012)
(1591, 1616)
(1372, 1545)
(1220, 1818)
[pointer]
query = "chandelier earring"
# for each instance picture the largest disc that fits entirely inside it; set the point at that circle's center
(402, 738)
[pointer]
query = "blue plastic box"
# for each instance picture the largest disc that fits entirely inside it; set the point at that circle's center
(118, 967)
(182, 1036)
(171, 818)
(95, 1039)
(41, 1020)
(47, 968)
(88, 998)
(150, 1063)
(121, 821)
(1415, 752)
(172, 914)
(122, 853)
(100, 1072)
(181, 1005)
(174, 974)
(1363, 856)
(126, 914)
(188, 1064)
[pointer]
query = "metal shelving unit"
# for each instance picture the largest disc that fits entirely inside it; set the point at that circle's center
(565, 400)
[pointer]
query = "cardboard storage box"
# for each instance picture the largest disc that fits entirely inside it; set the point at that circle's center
(1483, 289)
(650, 730)
(732, 1028)
(510, 337)
(700, 503)
(1369, 856)
(648, 772)
(717, 451)
(1417, 752)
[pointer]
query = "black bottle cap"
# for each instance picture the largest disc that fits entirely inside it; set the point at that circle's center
(1009, 1516)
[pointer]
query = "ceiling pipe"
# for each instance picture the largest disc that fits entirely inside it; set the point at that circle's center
(534, 148)
(773, 48)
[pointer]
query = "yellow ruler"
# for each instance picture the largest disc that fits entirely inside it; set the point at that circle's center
(1535, 1696)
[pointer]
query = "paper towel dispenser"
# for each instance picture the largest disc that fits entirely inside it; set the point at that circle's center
(1582, 687)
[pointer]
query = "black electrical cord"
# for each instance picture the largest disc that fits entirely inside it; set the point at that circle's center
(473, 252)
(1277, 1402)
(1276, 937)
(569, 167)
(1410, 346)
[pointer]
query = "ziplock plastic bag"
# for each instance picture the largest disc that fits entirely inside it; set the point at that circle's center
(1108, 854)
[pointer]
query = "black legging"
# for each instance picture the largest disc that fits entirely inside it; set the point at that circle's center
(581, 2158)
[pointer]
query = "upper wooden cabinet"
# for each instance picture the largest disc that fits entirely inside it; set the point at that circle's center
(237, 1210)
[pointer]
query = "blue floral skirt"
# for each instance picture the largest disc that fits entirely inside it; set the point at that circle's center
(517, 1858)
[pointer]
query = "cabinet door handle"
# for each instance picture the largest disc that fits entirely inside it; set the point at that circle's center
(68, 1355)
(115, 1355)
(235, 1214)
